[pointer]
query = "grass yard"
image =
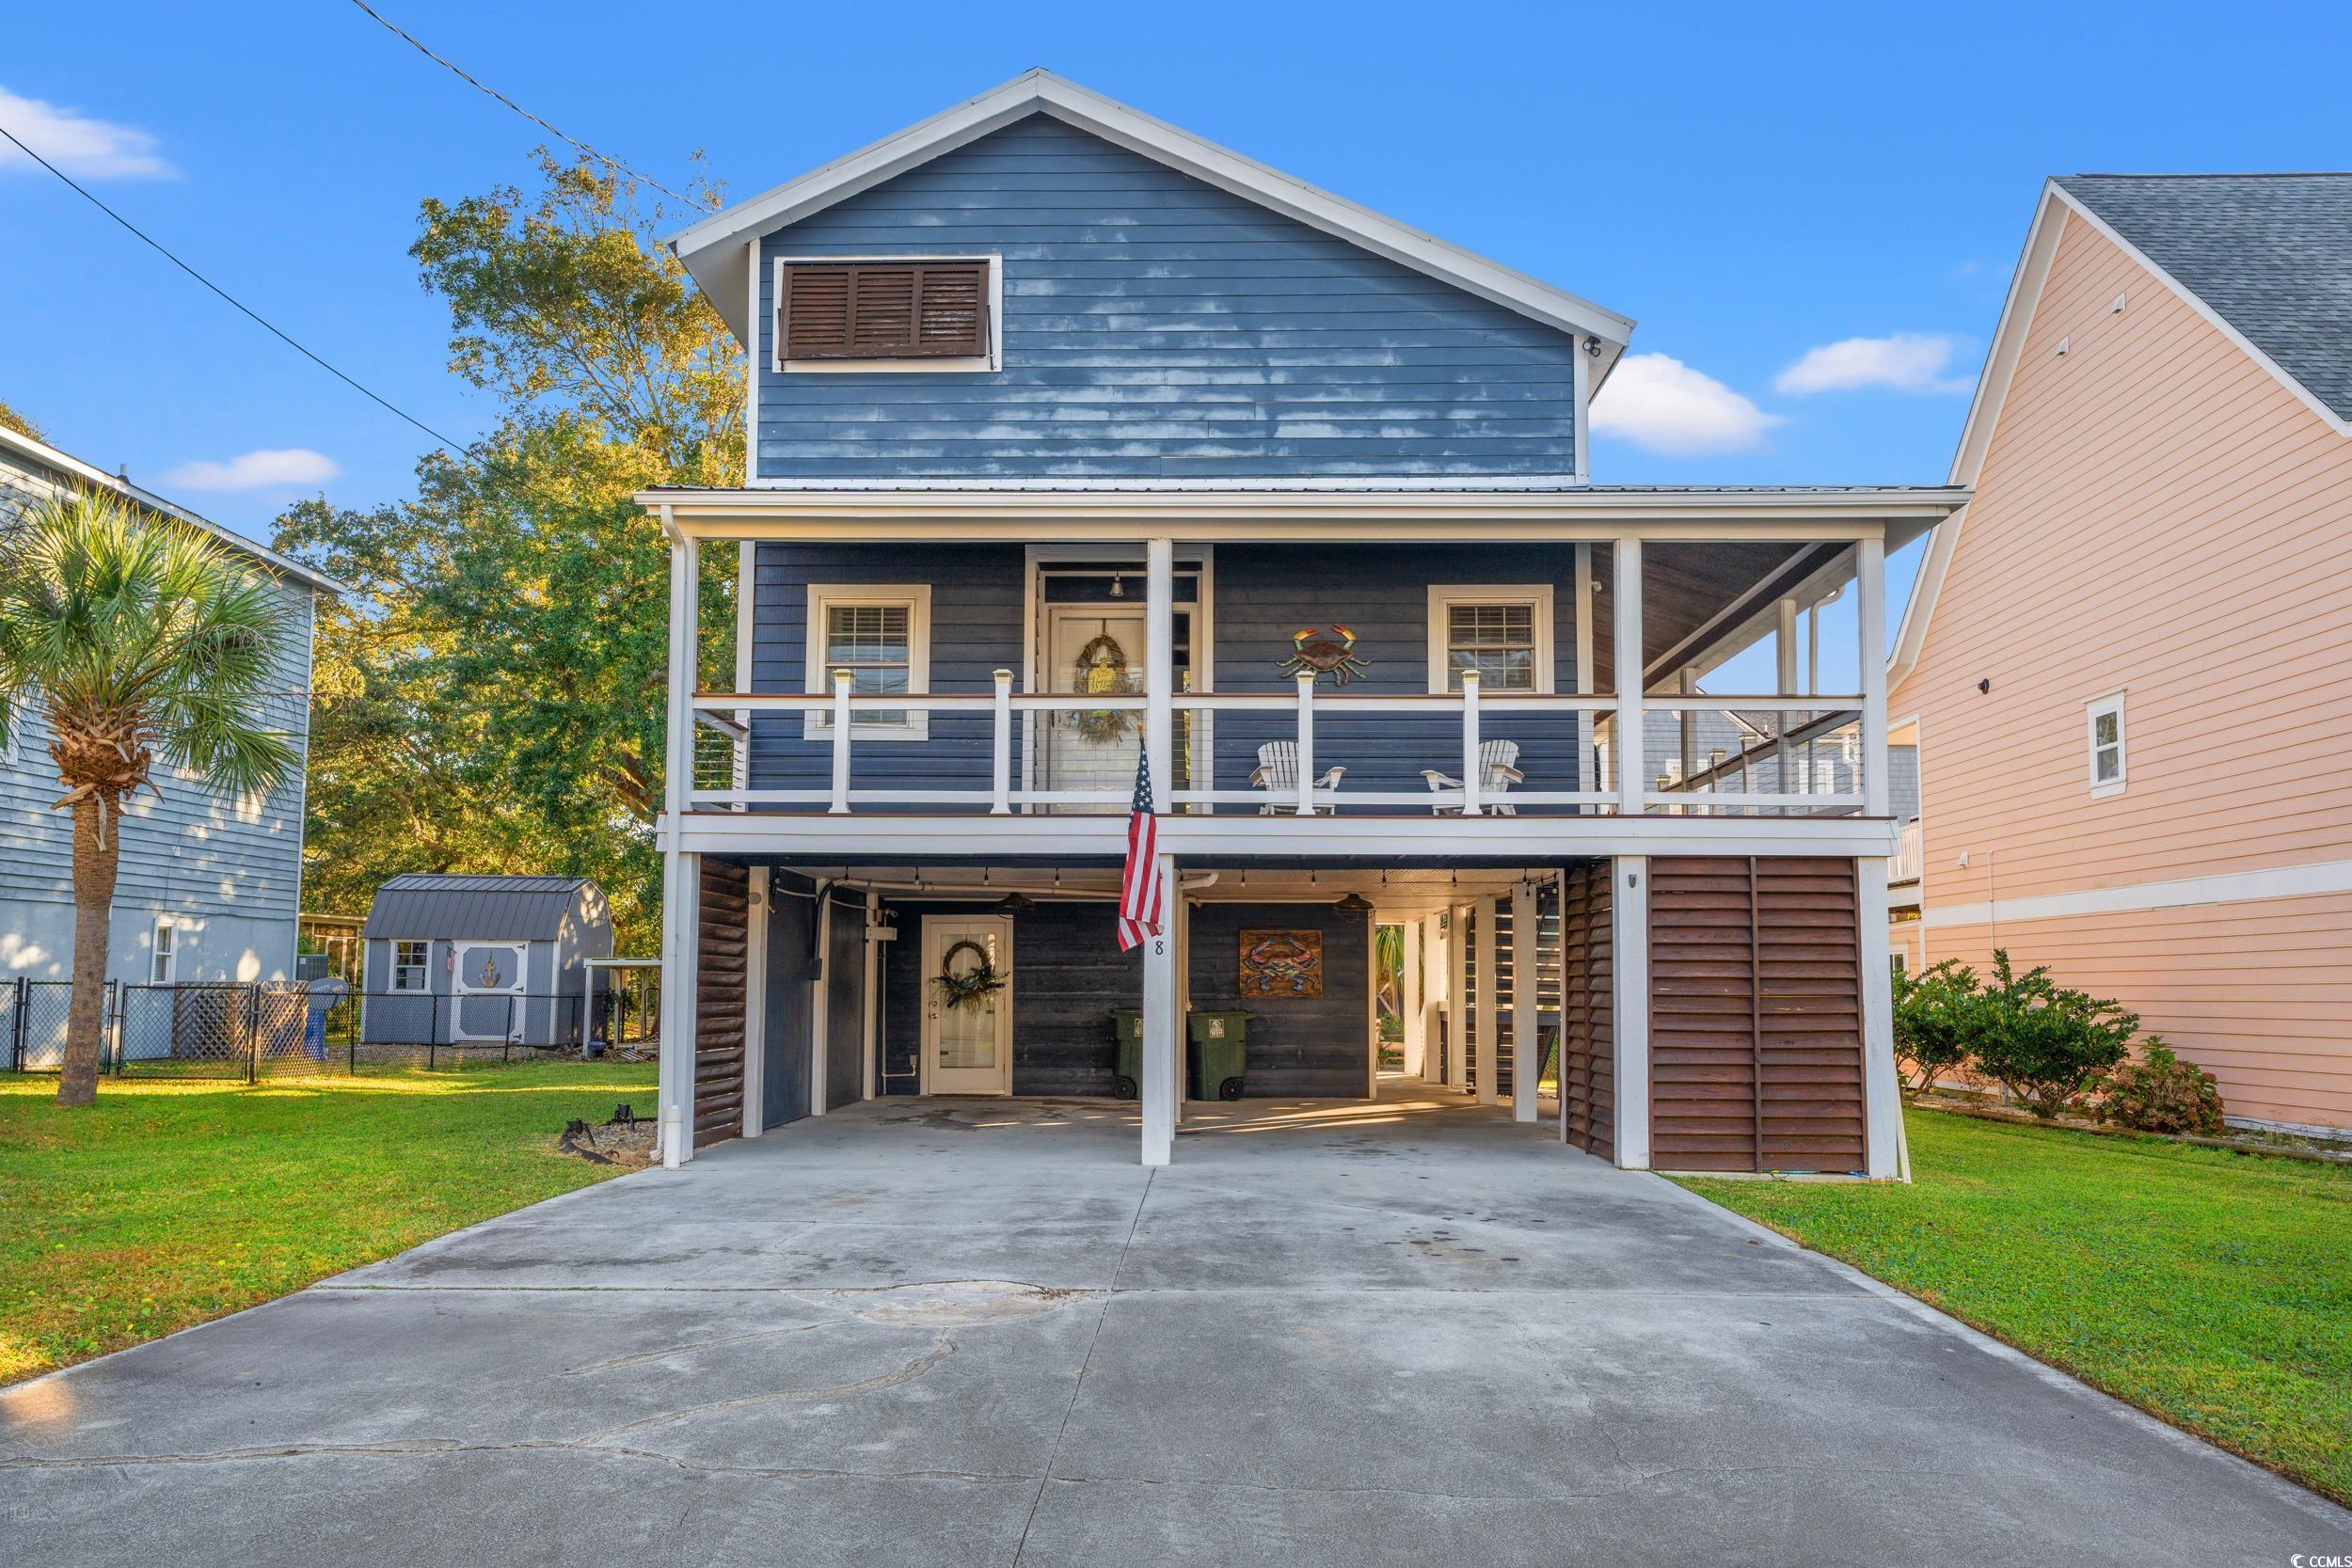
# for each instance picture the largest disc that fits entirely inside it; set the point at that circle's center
(174, 1202)
(2210, 1288)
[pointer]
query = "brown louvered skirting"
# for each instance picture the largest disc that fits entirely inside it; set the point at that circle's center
(1756, 1015)
(1588, 1046)
(722, 953)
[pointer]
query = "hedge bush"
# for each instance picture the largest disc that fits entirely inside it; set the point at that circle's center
(2160, 1093)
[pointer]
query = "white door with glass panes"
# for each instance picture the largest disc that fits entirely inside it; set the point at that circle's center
(489, 990)
(967, 1025)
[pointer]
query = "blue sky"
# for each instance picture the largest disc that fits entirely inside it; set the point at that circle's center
(1758, 186)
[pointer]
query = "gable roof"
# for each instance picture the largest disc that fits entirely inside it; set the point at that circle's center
(716, 249)
(2272, 253)
(24, 449)
(479, 909)
(2266, 259)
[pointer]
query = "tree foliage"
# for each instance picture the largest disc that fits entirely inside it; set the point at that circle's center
(490, 696)
(11, 420)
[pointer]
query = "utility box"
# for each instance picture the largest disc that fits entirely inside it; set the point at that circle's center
(1220, 1053)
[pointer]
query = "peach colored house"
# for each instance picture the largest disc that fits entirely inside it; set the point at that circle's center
(2127, 666)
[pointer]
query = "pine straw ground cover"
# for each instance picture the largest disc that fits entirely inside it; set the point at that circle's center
(2211, 1288)
(170, 1203)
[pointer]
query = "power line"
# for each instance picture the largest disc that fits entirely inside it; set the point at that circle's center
(463, 75)
(246, 309)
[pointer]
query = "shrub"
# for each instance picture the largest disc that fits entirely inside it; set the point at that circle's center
(2042, 1042)
(2161, 1093)
(1934, 1012)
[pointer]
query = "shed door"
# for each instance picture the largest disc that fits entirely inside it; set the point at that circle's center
(489, 990)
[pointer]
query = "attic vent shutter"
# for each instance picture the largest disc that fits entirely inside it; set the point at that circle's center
(869, 310)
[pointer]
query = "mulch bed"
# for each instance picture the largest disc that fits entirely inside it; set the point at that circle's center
(625, 1140)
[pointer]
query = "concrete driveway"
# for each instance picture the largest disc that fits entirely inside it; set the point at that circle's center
(964, 1333)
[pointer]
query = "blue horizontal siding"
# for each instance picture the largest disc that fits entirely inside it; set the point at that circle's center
(1155, 326)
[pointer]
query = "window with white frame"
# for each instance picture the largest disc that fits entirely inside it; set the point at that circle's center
(163, 966)
(408, 965)
(1503, 631)
(881, 633)
(2104, 721)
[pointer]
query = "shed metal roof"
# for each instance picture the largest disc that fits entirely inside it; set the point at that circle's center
(487, 908)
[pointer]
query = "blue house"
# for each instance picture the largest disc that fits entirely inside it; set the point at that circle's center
(210, 885)
(1079, 442)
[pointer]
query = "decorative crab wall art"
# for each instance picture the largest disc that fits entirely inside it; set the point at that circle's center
(1318, 653)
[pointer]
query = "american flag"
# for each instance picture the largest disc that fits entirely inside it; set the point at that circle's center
(1140, 888)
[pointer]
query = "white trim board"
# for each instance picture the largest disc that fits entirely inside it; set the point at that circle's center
(2232, 887)
(714, 249)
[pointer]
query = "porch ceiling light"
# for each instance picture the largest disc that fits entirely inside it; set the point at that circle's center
(1015, 903)
(1355, 903)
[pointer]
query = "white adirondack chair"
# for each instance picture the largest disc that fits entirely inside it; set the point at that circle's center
(1496, 775)
(1277, 773)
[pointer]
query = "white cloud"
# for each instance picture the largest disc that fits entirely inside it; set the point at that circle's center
(79, 145)
(1906, 361)
(278, 469)
(1662, 405)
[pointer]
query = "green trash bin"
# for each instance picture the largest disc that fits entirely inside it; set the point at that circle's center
(1127, 1029)
(1220, 1053)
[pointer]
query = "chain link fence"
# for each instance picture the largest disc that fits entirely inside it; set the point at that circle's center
(251, 1031)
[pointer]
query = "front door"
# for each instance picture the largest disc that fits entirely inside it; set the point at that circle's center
(1093, 648)
(967, 1027)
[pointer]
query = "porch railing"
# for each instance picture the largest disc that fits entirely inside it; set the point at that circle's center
(726, 721)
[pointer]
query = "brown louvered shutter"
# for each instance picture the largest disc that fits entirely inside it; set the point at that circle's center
(885, 310)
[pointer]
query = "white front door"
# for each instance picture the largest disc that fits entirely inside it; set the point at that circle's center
(967, 1041)
(1093, 649)
(489, 1003)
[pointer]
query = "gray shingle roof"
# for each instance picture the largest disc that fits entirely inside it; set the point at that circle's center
(2271, 253)
(483, 909)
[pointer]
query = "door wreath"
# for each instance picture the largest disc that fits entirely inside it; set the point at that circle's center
(975, 985)
(1103, 670)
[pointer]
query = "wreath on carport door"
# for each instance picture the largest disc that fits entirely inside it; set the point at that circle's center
(975, 985)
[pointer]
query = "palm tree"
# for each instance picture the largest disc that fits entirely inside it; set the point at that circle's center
(135, 638)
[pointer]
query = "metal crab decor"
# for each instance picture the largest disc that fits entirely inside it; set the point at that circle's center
(1323, 656)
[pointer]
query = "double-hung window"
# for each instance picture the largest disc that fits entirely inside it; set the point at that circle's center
(163, 957)
(1502, 631)
(881, 634)
(408, 965)
(2103, 718)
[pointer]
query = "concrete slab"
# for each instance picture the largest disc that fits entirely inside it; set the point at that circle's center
(977, 1332)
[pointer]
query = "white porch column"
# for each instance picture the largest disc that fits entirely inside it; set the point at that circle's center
(1409, 999)
(1625, 555)
(1629, 907)
(1486, 1003)
(1458, 999)
(1882, 1094)
(1784, 674)
(1159, 1087)
(1439, 965)
(756, 1006)
(868, 1017)
(820, 1005)
(681, 872)
(1159, 664)
(1527, 1052)
(1584, 780)
(1870, 615)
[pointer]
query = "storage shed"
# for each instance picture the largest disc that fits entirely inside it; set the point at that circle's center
(459, 960)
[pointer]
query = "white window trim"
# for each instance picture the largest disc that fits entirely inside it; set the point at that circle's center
(164, 943)
(1444, 596)
(816, 724)
(2093, 710)
(425, 969)
(779, 324)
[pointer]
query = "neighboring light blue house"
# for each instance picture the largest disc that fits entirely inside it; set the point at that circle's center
(1079, 440)
(209, 886)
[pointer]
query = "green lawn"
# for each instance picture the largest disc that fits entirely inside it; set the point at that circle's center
(174, 1202)
(2211, 1288)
